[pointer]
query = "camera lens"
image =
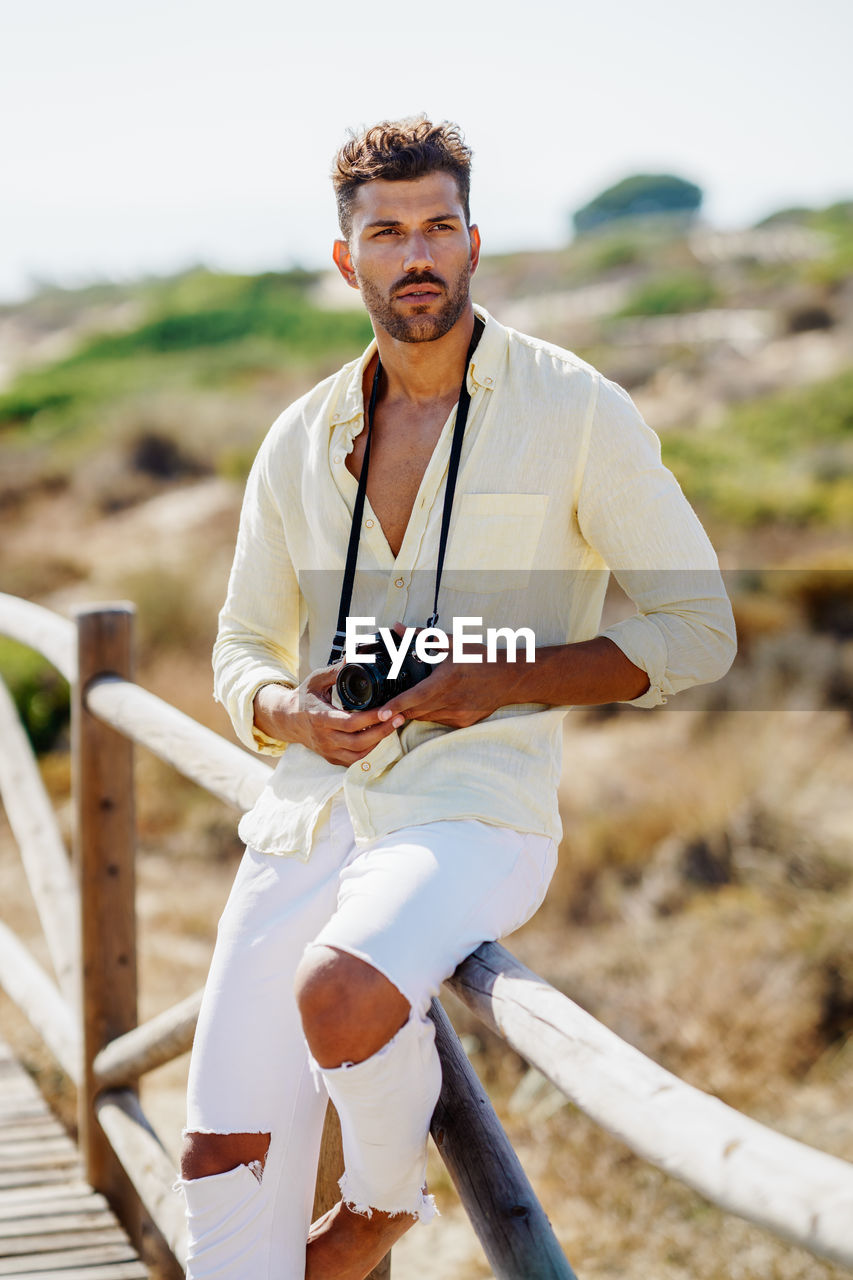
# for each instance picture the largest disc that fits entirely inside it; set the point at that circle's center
(356, 687)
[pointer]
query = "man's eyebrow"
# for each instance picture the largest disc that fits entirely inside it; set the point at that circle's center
(397, 222)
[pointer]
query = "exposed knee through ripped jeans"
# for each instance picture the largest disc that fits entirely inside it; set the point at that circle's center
(412, 904)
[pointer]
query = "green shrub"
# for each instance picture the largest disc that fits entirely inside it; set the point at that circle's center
(613, 253)
(836, 267)
(213, 311)
(200, 324)
(788, 457)
(38, 691)
(28, 398)
(670, 294)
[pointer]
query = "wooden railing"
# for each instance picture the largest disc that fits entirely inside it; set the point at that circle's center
(88, 1016)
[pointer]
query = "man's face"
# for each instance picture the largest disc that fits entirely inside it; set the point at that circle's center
(411, 255)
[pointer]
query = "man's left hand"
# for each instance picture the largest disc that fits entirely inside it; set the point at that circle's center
(585, 673)
(456, 693)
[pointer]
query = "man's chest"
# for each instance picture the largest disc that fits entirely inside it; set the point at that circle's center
(401, 449)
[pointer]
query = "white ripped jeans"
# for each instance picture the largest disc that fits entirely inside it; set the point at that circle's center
(412, 904)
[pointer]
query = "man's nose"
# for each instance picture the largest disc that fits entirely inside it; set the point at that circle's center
(418, 255)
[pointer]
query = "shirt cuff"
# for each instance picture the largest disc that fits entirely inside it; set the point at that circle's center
(263, 742)
(642, 644)
(238, 700)
(267, 746)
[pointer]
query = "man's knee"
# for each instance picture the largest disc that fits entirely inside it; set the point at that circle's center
(205, 1154)
(349, 1009)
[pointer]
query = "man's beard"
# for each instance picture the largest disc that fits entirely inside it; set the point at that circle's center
(426, 327)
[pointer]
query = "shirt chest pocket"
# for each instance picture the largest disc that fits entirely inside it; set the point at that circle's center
(494, 535)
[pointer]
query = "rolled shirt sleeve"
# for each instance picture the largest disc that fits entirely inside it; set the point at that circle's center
(258, 637)
(632, 512)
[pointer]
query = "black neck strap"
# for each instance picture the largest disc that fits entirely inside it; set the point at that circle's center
(450, 488)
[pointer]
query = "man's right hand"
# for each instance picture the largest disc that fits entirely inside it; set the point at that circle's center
(306, 715)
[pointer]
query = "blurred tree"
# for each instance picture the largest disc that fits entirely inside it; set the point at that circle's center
(640, 196)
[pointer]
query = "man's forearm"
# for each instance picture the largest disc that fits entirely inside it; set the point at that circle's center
(583, 674)
(273, 707)
(461, 694)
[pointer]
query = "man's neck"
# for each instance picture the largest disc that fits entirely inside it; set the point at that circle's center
(424, 371)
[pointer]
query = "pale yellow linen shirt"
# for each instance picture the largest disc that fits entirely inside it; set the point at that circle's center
(560, 482)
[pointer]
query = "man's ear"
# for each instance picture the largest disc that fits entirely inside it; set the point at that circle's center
(343, 261)
(474, 233)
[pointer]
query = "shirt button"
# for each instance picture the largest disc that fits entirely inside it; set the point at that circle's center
(365, 766)
(399, 583)
(488, 381)
(368, 524)
(337, 457)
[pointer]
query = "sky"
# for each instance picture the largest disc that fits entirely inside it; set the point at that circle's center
(142, 138)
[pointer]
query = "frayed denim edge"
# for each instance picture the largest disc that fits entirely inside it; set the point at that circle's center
(425, 1210)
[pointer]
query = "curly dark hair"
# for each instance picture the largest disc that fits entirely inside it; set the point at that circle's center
(399, 150)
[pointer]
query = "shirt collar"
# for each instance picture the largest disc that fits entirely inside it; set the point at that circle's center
(491, 350)
(485, 366)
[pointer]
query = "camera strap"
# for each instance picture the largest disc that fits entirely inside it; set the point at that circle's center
(462, 408)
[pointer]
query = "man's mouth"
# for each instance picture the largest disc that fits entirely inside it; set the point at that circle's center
(419, 292)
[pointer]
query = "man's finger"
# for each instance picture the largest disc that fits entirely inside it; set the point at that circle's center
(323, 677)
(360, 721)
(345, 721)
(399, 708)
(366, 740)
(348, 753)
(424, 694)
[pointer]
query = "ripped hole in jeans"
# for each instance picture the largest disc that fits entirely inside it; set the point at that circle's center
(206, 1153)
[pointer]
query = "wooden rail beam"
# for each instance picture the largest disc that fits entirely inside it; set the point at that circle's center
(104, 848)
(146, 1163)
(225, 770)
(24, 980)
(43, 852)
(41, 629)
(150, 1045)
(795, 1191)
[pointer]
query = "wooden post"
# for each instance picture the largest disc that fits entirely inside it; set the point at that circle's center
(330, 1168)
(104, 853)
(516, 1236)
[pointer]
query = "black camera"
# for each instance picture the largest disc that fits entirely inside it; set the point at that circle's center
(362, 685)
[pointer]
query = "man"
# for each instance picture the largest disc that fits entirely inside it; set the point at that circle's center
(391, 841)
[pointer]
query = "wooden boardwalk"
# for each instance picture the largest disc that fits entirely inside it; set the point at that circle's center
(53, 1226)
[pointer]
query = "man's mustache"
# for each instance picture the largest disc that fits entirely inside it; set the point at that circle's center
(419, 277)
